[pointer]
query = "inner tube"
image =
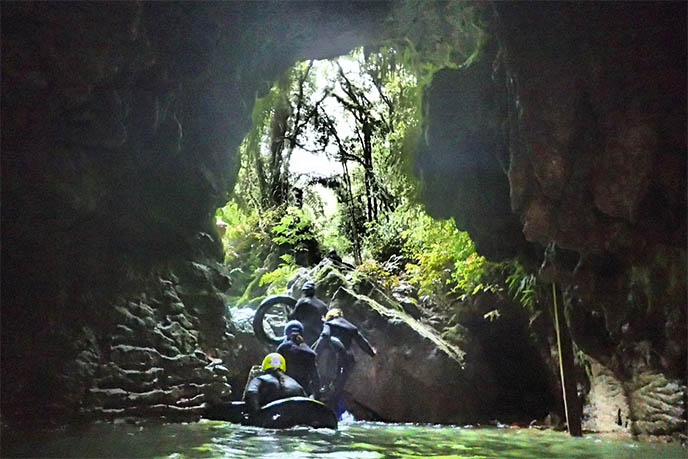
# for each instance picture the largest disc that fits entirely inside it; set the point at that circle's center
(236, 412)
(280, 414)
(259, 316)
(294, 411)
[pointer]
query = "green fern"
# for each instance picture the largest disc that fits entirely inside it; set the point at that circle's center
(279, 277)
(521, 286)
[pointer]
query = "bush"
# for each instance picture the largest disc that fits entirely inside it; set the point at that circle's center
(374, 270)
(293, 233)
(446, 260)
(278, 278)
(384, 238)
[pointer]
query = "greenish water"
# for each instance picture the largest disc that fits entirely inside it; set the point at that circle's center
(354, 440)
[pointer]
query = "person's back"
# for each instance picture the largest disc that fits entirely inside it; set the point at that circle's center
(346, 332)
(337, 328)
(272, 385)
(309, 310)
(342, 329)
(299, 357)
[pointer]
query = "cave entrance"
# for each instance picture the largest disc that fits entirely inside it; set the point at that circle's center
(327, 165)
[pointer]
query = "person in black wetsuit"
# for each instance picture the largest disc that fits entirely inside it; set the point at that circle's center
(272, 384)
(336, 326)
(300, 358)
(309, 310)
(333, 256)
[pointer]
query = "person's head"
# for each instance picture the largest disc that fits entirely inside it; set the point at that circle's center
(293, 328)
(274, 361)
(308, 288)
(332, 253)
(333, 314)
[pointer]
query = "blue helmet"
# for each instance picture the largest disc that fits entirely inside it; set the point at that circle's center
(309, 286)
(293, 327)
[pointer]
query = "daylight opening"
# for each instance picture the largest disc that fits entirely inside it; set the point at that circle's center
(326, 167)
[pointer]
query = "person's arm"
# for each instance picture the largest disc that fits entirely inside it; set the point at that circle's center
(364, 344)
(252, 397)
(292, 314)
(326, 332)
(315, 381)
(322, 310)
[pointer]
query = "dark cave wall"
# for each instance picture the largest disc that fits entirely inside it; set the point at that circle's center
(120, 128)
(464, 160)
(572, 125)
(598, 166)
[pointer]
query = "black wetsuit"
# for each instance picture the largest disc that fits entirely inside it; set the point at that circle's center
(300, 360)
(337, 260)
(341, 328)
(309, 310)
(270, 386)
(346, 332)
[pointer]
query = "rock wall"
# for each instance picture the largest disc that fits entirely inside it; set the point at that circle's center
(579, 146)
(466, 369)
(121, 123)
(159, 360)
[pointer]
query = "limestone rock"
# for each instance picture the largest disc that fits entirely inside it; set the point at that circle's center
(415, 375)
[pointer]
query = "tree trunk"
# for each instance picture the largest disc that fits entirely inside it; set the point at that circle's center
(354, 231)
(368, 172)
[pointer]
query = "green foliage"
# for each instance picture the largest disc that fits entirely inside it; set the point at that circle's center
(364, 112)
(384, 237)
(278, 278)
(327, 219)
(446, 258)
(443, 259)
(492, 315)
(374, 270)
(294, 230)
(448, 34)
(279, 118)
(252, 242)
(522, 286)
(246, 242)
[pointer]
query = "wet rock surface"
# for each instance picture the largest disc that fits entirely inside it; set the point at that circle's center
(647, 405)
(122, 124)
(157, 362)
(449, 371)
(585, 145)
(415, 375)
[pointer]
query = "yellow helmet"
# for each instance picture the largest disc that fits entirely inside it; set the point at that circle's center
(333, 313)
(274, 360)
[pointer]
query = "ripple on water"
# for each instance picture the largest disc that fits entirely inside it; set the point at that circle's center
(355, 440)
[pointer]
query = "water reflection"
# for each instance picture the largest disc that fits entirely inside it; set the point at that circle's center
(352, 440)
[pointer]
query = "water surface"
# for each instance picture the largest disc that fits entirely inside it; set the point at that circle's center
(352, 440)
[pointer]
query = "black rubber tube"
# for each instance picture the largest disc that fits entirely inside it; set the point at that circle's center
(264, 307)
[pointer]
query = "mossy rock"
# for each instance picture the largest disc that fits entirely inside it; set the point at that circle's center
(416, 374)
(328, 279)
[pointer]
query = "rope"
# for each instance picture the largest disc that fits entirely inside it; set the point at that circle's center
(561, 363)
